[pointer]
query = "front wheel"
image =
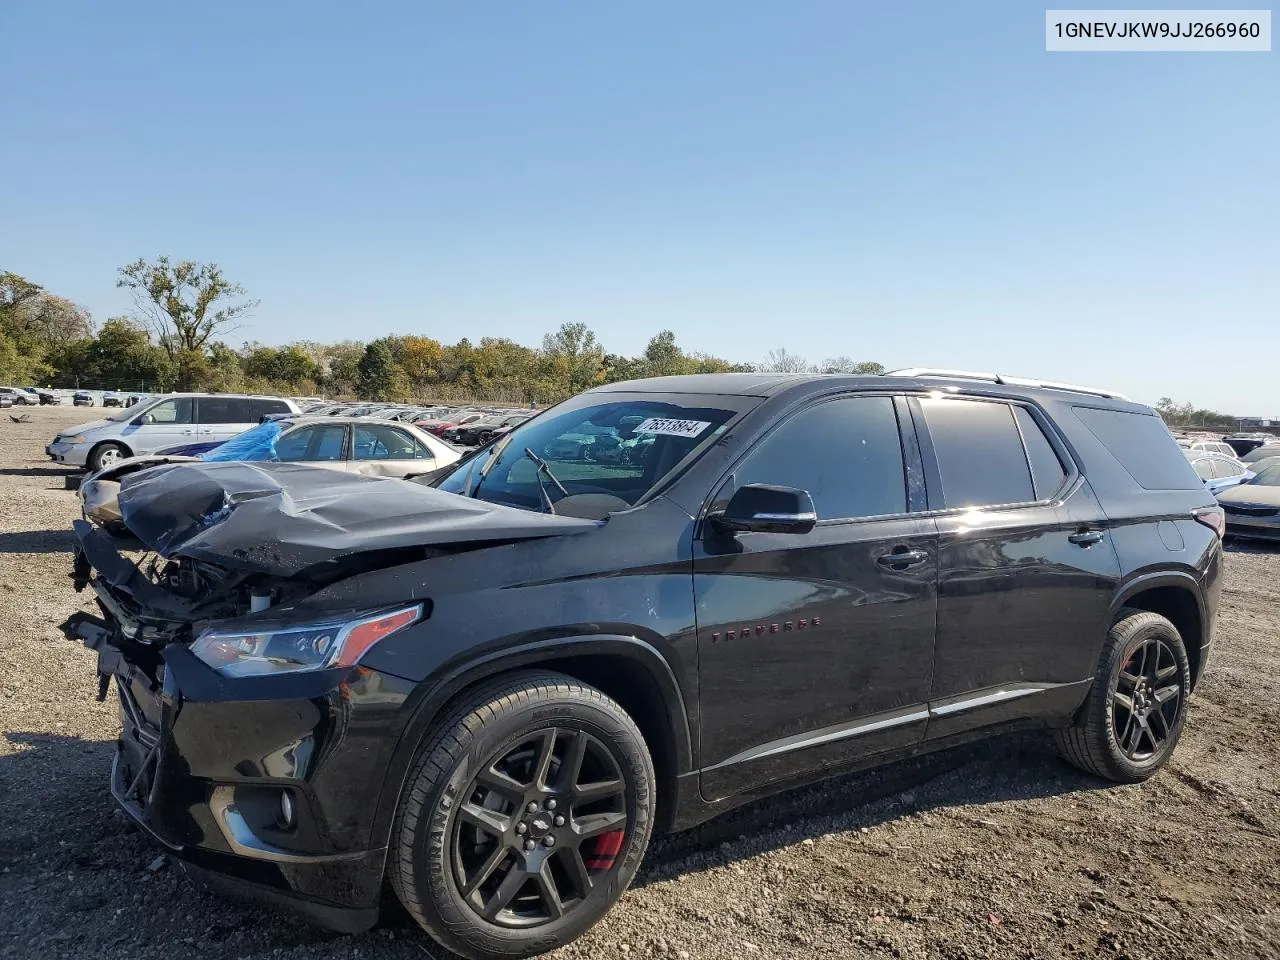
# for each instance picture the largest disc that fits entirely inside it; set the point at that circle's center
(1136, 709)
(525, 817)
(106, 455)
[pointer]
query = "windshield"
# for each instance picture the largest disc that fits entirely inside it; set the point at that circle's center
(1268, 473)
(137, 410)
(607, 451)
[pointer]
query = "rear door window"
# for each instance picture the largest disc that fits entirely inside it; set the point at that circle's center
(1223, 469)
(1204, 468)
(981, 460)
(1047, 472)
(224, 410)
(1142, 444)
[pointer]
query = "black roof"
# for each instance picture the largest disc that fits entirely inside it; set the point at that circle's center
(771, 384)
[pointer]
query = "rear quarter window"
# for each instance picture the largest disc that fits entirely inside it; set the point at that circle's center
(1143, 445)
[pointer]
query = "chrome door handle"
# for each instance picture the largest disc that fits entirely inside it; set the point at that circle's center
(901, 559)
(1086, 538)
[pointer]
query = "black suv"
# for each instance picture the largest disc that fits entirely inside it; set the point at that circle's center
(490, 691)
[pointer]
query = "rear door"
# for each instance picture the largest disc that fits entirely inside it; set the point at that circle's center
(1026, 570)
(221, 418)
(817, 648)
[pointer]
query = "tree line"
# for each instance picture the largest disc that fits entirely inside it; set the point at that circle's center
(184, 312)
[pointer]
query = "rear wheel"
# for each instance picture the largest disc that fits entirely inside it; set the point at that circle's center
(1131, 722)
(106, 455)
(525, 818)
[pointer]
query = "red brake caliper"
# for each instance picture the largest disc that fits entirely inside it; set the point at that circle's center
(607, 847)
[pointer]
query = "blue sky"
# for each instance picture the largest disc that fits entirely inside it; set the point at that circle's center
(910, 183)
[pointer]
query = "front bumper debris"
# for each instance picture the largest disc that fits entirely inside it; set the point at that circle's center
(202, 761)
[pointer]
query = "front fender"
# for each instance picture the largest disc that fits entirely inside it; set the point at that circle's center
(431, 697)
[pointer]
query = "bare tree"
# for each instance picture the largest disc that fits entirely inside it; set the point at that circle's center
(843, 364)
(185, 304)
(783, 361)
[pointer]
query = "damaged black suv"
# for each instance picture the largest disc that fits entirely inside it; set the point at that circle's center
(643, 606)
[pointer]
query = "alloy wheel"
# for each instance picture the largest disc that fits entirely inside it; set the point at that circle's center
(539, 827)
(1146, 700)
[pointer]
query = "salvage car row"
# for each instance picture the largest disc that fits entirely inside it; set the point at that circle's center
(1243, 472)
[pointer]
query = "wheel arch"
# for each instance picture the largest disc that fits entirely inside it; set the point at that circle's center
(1176, 597)
(627, 669)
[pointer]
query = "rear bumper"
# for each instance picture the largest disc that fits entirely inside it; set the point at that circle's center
(1263, 528)
(202, 764)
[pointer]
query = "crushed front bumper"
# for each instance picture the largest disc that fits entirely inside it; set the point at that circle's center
(203, 762)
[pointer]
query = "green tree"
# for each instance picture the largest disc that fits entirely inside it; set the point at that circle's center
(185, 304)
(123, 356)
(377, 372)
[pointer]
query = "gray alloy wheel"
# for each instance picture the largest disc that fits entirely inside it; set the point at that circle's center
(1136, 709)
(525, 817)
(106, 455)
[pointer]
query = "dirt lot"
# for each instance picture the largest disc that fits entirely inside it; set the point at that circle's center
(993, 851)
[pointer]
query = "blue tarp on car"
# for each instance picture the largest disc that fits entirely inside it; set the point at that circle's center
(256, 443)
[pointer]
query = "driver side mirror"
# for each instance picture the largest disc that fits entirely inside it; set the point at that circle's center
(765, 508)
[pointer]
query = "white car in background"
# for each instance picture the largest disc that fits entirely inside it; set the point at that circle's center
(161, 422)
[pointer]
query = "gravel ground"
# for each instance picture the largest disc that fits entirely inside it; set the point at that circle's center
(997, 850)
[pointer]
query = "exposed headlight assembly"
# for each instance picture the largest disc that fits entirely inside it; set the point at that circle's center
(311, 647)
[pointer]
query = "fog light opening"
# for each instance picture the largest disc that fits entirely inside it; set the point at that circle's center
(286, 814)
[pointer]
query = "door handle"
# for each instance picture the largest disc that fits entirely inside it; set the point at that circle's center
(1086, 538)
(901, 559)
(187, 433)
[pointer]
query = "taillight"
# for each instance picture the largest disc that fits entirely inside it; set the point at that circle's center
(1215, 518)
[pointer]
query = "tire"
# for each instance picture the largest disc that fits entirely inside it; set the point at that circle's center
(1128, 744)
(106, 455)
(440, 852)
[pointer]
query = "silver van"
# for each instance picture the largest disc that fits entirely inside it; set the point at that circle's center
(159, 422)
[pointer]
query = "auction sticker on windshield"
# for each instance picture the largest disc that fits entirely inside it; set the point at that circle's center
(673, 428)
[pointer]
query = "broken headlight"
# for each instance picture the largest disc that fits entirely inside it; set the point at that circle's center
(242, 653)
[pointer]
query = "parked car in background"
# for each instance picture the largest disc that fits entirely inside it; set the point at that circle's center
(1253, 508)
(19, 398)
(348, 445)
(438, 427)
(82, 398)
(1206, 446)
(1262, 452)
(1217, 471)
(161, 422)
(490, 693)
(112, 399)
(1242, 443)
(6, 401)
(49, 398)
(481, 431)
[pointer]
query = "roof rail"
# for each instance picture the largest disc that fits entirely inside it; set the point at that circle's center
(925, 372)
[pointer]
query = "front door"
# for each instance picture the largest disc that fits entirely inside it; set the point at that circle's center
(815, 649)
(170, 423)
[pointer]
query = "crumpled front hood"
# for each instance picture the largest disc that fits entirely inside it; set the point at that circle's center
(281, 518)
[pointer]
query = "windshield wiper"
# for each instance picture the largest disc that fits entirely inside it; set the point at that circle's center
(542, 487)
